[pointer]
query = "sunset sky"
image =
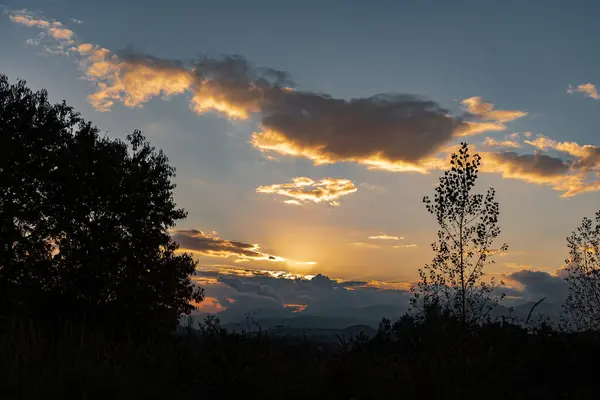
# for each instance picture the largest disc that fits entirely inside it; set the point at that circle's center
(306, 133)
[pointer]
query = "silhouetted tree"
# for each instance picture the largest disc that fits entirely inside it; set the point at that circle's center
(468, 226)
(84, 219)
(581, 310)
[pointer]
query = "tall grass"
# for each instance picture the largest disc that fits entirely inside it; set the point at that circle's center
(408, 360)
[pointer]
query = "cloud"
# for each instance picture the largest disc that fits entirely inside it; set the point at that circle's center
(490, 142)
(588, 90)
(562, 175)
(583, 162)
(563, 271)
(395, 132)
(263, 294)
(587, 156)
(60, 33)
(405, 246)
(383, 236)
(485, 111)
(367, 245)
(24, 18)
(392, 132)
(208, 244)
(279, 294)
(50, 30)
(539, 284)
(481, 117)
(303, 189)
(210, 305)
(534, 167)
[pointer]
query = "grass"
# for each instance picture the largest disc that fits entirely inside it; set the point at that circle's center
(497, 361)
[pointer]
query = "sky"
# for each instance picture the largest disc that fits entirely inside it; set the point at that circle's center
(305, 134)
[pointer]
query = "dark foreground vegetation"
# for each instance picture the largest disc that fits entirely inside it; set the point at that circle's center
(92, 288)
(496, 361)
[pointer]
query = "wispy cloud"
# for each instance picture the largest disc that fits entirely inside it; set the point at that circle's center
(303, 189)
(587, 89)
(482, 117)
(383, 236)
(54, 35)
(366, 245)
(405, 246)
(485, 111)
(508, 143)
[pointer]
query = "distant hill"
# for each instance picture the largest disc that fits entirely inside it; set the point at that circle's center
(316, 326)
(298, 322)
(322, 335)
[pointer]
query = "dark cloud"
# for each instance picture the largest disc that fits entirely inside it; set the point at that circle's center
(210, 245)
(283, 295)
(385, 127)
(538, 284)
(390, 127)
(537, 165)
(266, 294)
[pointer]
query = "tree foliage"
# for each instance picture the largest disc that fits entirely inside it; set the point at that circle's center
(468, 227)
(581, 309)
(84, 219)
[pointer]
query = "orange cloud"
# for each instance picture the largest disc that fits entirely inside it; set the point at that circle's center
(486, 118)
(472, 128)
(588, 90)
(130, 83)
(476, 106)
(571, 177)
(587, 156)
(209, 305)
(24, 18)
(53, 29)
(303, 189)
(297, 308)
(60, 33)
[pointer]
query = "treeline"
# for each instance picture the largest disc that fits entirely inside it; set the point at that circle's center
(92, 288)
